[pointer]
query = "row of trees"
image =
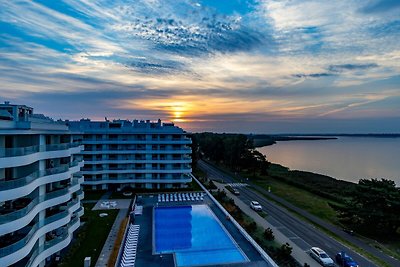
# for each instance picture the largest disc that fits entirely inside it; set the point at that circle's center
(235, 151)
(374, 208)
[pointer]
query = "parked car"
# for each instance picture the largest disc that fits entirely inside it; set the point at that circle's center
(255, 206)
(236, 192)
(321, 256)
(345, 260)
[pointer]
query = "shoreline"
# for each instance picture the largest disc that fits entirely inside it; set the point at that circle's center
(271, 140)
(260, 140)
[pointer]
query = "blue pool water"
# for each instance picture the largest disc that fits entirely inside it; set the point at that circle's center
(195, 236)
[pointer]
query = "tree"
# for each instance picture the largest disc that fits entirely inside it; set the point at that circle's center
(235, 151)
(269, 234)
(374, 207)
(284, 252)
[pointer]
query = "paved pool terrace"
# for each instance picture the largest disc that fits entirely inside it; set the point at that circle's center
(145, 256)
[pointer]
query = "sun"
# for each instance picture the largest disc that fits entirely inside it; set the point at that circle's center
(178, 111)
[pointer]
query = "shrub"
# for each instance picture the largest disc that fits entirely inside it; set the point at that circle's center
(269, 234)
(251, 227)
(285, 251)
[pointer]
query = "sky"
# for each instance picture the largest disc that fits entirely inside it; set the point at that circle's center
(250, 66)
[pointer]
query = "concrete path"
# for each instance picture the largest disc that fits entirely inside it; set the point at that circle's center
(119, 204)
(300, 255)
(105, 253)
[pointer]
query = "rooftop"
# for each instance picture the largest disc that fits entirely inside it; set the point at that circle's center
(124, 126)
(21, 117)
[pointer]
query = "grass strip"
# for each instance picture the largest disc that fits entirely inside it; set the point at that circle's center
(120, 236)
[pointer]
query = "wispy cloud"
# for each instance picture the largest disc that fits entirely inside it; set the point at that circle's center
(179, 59)
(344, 67)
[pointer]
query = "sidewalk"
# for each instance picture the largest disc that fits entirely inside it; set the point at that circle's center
(300, 255)
(105, 253)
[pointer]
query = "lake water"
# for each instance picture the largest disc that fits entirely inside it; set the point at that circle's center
(346, 158)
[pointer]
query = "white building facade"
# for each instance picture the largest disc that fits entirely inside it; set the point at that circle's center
(136, 154)
(40, 186)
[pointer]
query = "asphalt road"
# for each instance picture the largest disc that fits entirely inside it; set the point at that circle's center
(300, 232)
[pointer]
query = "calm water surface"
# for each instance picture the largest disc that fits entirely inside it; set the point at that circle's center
(347, 158)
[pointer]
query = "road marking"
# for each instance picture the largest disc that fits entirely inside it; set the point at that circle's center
(237, 184)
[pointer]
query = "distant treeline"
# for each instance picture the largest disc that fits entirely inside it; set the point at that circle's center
(376, 135)
(260, 140)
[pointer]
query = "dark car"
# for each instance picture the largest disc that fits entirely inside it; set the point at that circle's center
(343, 259)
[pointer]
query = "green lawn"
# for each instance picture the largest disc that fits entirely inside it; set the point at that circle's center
(90, 237)
(314, 204)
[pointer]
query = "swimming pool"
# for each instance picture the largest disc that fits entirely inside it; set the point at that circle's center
(195, 235)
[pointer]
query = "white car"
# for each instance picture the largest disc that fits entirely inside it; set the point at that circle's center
(321, 256)
(255, 206)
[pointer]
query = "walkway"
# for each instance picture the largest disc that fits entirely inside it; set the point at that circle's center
(297, 252)
(105, 254)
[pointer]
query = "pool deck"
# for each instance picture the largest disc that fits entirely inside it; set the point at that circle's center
(144, 255)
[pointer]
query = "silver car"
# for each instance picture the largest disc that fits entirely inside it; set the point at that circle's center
(321, 256)
(255, 206)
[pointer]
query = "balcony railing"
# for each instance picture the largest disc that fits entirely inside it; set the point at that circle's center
(21, 151)
(12, 216)
(22, 242)
(52, 242)
(15, 183)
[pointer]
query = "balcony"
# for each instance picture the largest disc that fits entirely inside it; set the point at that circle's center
(22, 151)
(184, 179)
(16, 219)
(52, 246)
(21, 243)
(15, 158)
(15, 183)
(138, 171)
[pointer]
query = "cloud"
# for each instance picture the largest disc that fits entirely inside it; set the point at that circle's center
(185, 28)
(313, 75)
(250, 60)
(344, 67)
(377, 6)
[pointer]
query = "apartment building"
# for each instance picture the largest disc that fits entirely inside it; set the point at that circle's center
(40, 186)
(137, 154)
